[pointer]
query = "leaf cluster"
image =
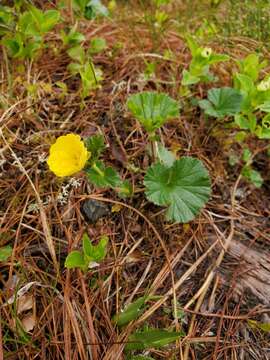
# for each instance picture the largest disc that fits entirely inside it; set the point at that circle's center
(89, 9)
(255, 109)
(202, 59)
(90, 254)
(101, 175)
(146, 338)
(27, 38)
(91, 76)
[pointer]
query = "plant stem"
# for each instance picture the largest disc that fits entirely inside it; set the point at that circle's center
(9, 76)
(154, 147)
(97, 169)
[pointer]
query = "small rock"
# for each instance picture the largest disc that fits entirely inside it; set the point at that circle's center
(93, 210)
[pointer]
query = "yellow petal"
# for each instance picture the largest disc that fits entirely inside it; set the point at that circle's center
(69, 143)
(68, 155)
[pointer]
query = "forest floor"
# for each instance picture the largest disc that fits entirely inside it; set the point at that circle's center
(209, 278)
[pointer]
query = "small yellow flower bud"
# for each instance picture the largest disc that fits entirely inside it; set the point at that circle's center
(206, 52)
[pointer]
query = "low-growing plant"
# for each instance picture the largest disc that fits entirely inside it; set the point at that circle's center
(104, 176)
(6, 20)
(152, 338)
(182, 185)
(26, 37)
(72, 38)
(89, 9)
(156, 17)
(244, 159)
(89, 256)
(97, 44)
(91, 76)
(199, 67)
(249, 105)
(254, 115)
(131, 312)
(70, 155)
(248, 172)
(5, 252)
(145, 338)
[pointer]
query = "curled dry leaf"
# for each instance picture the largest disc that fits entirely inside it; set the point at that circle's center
(28, 322)
(24, 303)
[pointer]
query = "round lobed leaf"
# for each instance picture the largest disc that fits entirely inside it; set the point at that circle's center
(184, 188)
(153, 109)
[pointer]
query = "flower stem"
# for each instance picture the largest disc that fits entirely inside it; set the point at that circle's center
(97, 170)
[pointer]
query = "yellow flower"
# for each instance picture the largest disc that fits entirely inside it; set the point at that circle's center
(68, 155)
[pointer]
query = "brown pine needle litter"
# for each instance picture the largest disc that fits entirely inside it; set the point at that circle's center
(208, 278)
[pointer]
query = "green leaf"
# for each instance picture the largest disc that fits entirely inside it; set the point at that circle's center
(101, 248)
(222, 102)
(216, 58)
(151, 339)
(251, 66)
(246, 123)
(5, 252)
(246, 86)
(263, 132)
(124, 190)
(79, 4)
(14, 46)
(50, 19)
(77, 53)
(6, 19)
(253, 176)
(265, 327)
(193, 46)
(244, 83)
(266, 122)
(75, 259)
(159, 3)
(240, 136)
(241, 121)
(247, 155)
(132, 312)
(91, 78)
(72, 38)
(264, 106)
(91, 253)
(74, 68)
(94, 252)
(103, 176)
(27, 25)
(31, 49)
(97, 45)
(96, 145)
(95, 8)
(184, 188)
(189, 79)
(87, 246)
(152, 109)
(165, 156)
